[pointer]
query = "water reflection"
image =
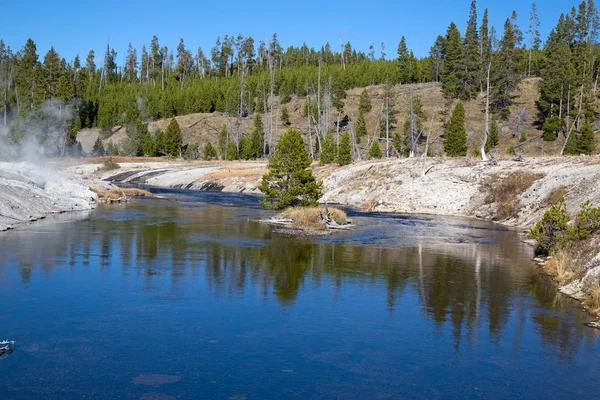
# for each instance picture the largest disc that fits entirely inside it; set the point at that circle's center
(467, 279)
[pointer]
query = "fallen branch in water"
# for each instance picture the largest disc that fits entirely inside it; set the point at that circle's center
(6, 346)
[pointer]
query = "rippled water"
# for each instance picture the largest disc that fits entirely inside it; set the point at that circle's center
(190, 298)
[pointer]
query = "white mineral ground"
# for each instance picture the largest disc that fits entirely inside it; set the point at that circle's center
(29, 192)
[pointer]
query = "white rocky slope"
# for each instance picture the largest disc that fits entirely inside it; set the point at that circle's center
(29, 192)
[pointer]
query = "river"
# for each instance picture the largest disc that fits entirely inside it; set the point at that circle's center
(189, 297)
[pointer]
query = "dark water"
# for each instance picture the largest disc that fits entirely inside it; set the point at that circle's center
(187, 299)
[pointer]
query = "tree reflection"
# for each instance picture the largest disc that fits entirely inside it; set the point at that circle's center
(462, 288)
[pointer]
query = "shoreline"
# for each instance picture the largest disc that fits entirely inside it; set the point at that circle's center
(450, 188)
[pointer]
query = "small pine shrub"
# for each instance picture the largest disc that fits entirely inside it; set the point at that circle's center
(588, 220)
(553, 230)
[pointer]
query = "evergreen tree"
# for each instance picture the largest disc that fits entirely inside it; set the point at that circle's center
(344, 154)
(285, 116)
(173, 139)
(148, 146)
(160, 143)
(361, 126)
(505, 75)
(290, 182)
(328, 153)
(404, 70)
(375, 150)
(485, 52)
(209, 151)
(551, 127)
(493, 138)
(471, 58)
(223, 142)
(98, 149)
(534, 36)
(452, 62)
(232, 152)
(585, 141)
(364, 102)
(456, 135)
(571, 147)
(246, 150)
(112, 149)
(257, 137)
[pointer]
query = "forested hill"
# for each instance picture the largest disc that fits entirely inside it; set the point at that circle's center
(257, 89)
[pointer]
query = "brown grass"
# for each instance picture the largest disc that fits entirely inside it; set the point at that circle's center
(593, 302)
(118, 193)
(309, 218)
(564, 266)
(505, 192)
(556, 194)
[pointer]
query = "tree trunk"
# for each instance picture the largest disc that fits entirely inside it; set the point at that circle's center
(487, 115)
(387, 125)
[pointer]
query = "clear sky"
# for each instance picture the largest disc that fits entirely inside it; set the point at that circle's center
(75, 27)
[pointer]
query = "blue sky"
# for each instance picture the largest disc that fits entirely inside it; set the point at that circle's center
(75, 27)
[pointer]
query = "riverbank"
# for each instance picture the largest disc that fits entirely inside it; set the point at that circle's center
(510, 192)
(513, 193)
(29, 192)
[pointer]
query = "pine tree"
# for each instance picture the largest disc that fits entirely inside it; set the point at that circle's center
(257, 137)
(456, 135)
(222, 143)
(290, 182)
(246, 150)
(375, 150)
(209, 151)
(98, 149)
(232, 152)
(173, 139)
(452, 62)
(551, 127)
(404, 70)
(485, 51)
(285, 116)
(328, 153)
(160, 143)
(148, 147)
(493, 138)
(361, 126)
(505, 75)
(534, 36)
(471, 58)
(364, 102)
(344, 154)
(112, 149)
(585, 141)
(571, 147)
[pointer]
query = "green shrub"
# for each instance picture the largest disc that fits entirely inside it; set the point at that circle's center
(553, 230)
(109, 165)
(588, 220)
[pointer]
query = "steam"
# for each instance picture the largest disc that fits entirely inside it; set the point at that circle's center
(37, 135)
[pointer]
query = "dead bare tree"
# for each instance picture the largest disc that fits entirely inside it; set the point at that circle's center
(519, 120)
(425, 153)
(487, 115)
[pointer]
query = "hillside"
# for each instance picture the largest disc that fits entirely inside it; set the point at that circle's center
(202, 127)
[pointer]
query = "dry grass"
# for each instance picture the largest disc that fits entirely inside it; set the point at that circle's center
(564, 266)
(309, 218)
(505, 192)
(555, 195)
(369, 204)
(593, 302)
(119, 193)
